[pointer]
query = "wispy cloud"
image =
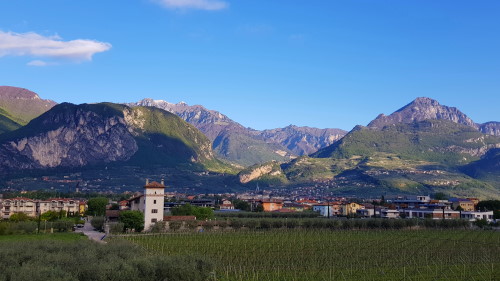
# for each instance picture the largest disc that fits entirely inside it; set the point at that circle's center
(210, 5)
(38, 63)
(35, 45)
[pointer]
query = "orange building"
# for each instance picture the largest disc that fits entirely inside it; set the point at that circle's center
(272, 205)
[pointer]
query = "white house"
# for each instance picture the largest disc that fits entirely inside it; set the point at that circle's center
(325, 210)
(472, 216)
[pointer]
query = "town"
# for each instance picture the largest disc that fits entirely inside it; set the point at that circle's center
(160, 207)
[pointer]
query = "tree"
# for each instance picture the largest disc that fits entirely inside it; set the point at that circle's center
(50, 216)
(490, 205)
(97, 206)
(132, 220)
(440, 196)
(259, 208)
(201, 213)
(242, 205)
(17, 217)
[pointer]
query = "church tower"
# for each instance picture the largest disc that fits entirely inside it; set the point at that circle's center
(154, 197)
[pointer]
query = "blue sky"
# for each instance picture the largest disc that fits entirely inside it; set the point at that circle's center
(265, 64)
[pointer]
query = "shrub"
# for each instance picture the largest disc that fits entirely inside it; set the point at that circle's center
(291, 223)
(265, 224)
(175, 225)
(191, 224)
(252, 224)
(116, 228)
(236, 224)
(347, 224)
(97, 223)
(277, 223)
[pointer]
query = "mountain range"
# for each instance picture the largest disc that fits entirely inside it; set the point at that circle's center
(421, 148)
(424, 147)
(245, 146)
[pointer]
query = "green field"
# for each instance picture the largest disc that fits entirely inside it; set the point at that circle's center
(337, 255)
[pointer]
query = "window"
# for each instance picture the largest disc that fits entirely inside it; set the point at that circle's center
(154, 211)
(154, 201)
(154, 220)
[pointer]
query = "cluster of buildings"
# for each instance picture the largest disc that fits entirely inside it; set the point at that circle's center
(35, 207)
(407, 207)
(155, 203)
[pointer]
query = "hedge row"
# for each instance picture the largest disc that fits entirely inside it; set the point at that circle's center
(335, 224)
(29, 227)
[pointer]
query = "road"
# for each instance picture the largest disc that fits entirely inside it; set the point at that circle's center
(92, 234)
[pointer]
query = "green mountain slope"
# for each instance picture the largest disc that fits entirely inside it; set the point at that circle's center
(22, 105)
(6, 123)
(243, 149)
(439, 141)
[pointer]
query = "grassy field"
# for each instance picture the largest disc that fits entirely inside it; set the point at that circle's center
(338, 255)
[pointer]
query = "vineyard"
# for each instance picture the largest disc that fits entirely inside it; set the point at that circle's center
(337, 255)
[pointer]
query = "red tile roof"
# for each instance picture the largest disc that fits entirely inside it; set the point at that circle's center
(154, 184)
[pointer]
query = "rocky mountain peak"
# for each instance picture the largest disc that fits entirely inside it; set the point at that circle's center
(421, 109)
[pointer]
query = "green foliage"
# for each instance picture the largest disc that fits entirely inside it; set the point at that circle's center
(201, 213)
(132, 220)
(234, 147)
(97, 206)
(490, 205)
(6, 123)
(116, 228)
(84, 260)
(440, 196)
(17, 217)
(98, 223)
(53, 215)
(241, 205)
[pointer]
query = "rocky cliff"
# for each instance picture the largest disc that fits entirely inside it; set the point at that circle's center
(490, 128)
(422, 109)
(303, 140)
(80, 135)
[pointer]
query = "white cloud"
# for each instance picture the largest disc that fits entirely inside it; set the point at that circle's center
(37, 63)
(211, 5)
(36, 45)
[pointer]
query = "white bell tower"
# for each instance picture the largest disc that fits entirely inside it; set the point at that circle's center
(154, 198)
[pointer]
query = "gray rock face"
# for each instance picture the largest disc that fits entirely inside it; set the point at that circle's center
(303, 140)
(75, 139)
(490, 128)
(422, 109)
